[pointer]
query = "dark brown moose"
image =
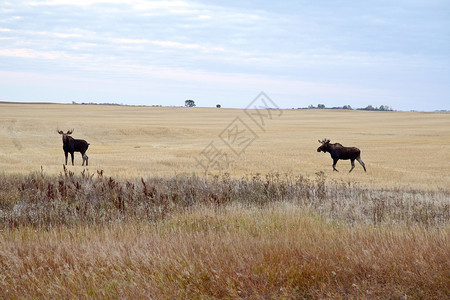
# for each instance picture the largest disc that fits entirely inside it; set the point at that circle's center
(71, 145)
(338, 152)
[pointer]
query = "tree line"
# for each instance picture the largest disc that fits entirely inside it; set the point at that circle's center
(368, 107)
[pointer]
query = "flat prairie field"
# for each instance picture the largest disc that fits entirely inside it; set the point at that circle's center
(408, 150)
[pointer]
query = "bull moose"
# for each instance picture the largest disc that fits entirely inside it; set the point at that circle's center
(71, 145)
(338, 152)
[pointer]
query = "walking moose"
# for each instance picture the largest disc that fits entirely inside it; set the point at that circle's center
(338, 152)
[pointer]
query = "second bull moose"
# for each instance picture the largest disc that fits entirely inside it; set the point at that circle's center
(338, 152)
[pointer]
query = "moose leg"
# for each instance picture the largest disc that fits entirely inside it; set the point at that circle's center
(362, 163)
(85, 159)
(66, 154)
(353, 165)
(71, 154)
(334, 164)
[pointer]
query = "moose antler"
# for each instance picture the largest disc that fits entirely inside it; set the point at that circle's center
(62, 132)
(323, 141)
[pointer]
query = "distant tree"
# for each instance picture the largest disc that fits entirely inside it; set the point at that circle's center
(311, 106)
(218, 106)
(189, 103)
(369, 107)
(347, 107)
(321, 106)
(385, 108)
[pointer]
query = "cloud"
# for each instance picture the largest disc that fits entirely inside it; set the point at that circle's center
(66, 35)
(127, 41)
(142, 4)
(175, 7)
(184, 46)
(28, 53)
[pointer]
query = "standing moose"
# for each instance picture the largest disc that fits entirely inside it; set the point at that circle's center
(71, 145)
(338, 152)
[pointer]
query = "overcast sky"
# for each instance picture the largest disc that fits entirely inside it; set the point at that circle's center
(138, 52)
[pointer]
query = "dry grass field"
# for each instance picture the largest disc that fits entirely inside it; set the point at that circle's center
(277, 252)
(270, 221)
(400, 149)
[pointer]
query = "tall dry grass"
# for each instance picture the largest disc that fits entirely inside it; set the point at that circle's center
(280, 251)
(41, 200)
(274, 236)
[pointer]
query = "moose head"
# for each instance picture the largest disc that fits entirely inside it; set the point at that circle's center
(65, 136)
(324, 143)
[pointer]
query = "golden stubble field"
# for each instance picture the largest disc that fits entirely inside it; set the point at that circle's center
(400, 149)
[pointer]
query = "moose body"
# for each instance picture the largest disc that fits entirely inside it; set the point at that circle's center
(71, 145)
(337, 152)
